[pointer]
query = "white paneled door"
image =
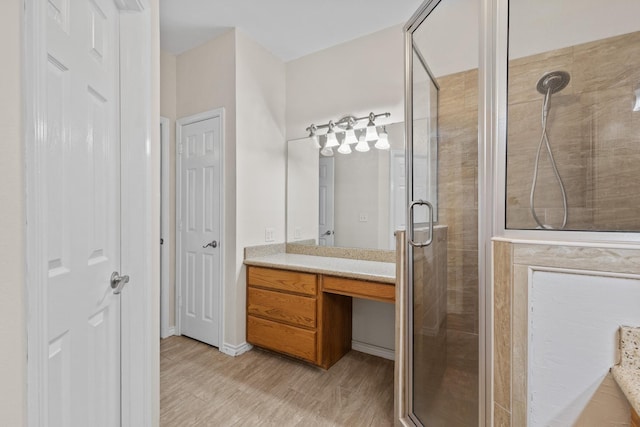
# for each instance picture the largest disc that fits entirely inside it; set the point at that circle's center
(81, 167)
(326, 230)
(199, 247)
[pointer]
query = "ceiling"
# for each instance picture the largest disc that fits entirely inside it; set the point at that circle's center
(288, 28)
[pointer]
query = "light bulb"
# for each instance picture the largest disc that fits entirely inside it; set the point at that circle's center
(327, 152)
(344, 148)
(314, 140)
(363, 145)
(312, 136)
(350, 135)
(383, 141)
(332, 141)
(372, 133)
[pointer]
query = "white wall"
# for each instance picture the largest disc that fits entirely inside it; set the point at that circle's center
(546, 25)
(236, 73)
(206, 80)
(260, 156)
(13, 398)
(449, 40)
(572, 350)
(356, 77)
(303, 182)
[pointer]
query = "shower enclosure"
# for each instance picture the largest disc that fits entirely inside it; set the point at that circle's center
(442, 126)
(573, 143)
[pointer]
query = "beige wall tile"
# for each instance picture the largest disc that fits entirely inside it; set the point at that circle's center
(586, 258)
(502, 252)
(593, 132)
(501, 417)
(519, 360)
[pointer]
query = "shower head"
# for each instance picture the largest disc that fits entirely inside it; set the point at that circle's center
(553, 82)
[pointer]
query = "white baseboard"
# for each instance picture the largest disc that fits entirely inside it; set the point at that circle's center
(171, 331)
(374, 350)
(235, 350)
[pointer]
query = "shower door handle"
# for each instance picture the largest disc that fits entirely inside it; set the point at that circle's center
(410, 225)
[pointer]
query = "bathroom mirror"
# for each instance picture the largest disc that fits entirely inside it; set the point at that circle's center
(353, 198)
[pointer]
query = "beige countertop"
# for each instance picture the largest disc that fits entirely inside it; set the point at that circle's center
(376, 271)
(627, 373)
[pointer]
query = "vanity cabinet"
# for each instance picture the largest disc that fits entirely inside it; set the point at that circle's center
(287, 312)
(282, 311)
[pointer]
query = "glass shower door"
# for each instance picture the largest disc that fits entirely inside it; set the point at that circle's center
(442, 164)
(428, 290)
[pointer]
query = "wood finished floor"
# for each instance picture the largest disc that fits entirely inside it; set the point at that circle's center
(199, 386)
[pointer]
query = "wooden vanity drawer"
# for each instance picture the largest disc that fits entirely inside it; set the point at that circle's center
(287, 339)
(359, 288)
(294, 309)
(290, 281)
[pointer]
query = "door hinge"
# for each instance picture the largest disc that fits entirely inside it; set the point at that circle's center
(180, 148)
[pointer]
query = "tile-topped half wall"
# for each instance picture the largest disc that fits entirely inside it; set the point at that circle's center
(593, 131)
(593, 275)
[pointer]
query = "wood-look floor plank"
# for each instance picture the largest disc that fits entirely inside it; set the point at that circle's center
(199, 386)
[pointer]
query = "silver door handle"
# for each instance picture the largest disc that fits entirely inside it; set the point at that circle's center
(118, 282)
(430, 239)
(212, 243)
(327, 233)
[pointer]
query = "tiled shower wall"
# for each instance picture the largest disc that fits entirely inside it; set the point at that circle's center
(458, 195)
(593, 131)
(456, 394)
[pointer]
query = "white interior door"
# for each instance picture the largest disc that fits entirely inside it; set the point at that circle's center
(82, 230)
(326, 226)
(199, 248)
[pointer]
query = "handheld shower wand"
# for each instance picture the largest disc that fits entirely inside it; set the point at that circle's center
(548, 84)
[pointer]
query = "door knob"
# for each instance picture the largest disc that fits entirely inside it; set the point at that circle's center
(327, 233)
(212, 243)
(118, 282)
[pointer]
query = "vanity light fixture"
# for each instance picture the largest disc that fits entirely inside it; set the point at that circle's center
(383, 140)
(362, 145)
(348, 125)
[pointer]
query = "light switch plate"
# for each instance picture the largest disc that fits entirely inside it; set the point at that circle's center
(364, 217)
(268, 234)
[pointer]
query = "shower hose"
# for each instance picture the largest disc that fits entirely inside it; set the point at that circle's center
(544, 140)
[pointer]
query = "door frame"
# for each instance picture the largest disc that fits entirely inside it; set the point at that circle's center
(139, 227)
(393, 188)
(165, 227)
(180, 123)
